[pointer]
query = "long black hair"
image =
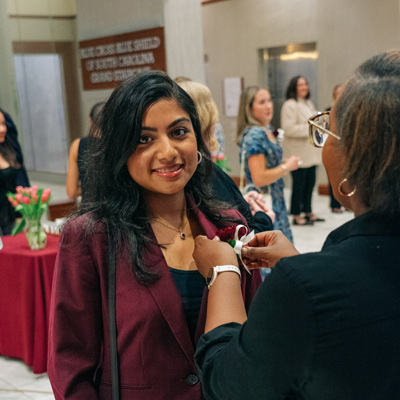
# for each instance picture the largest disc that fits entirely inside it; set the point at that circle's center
(6, 148)
(113, 197)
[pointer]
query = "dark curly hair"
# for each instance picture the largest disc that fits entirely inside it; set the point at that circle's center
(368, 120)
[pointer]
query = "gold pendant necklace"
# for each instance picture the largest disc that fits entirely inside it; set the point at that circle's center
(182, 235)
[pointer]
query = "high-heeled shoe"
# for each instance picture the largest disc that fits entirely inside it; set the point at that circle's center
(314, 218)
(301, 221)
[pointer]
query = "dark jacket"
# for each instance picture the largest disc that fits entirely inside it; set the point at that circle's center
(322, 326)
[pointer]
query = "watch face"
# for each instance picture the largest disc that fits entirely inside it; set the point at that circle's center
(209, 275)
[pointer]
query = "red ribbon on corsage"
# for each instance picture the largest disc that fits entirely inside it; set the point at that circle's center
(236, 236)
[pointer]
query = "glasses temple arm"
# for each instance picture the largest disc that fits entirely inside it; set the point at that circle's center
(325, 130)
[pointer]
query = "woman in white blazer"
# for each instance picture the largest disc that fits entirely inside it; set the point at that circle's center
(294, 114)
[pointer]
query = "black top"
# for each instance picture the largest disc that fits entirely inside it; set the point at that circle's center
(7, 213)
(83, 148)
(322, 326)
(12, 134)
(226, 190)
(190, 285)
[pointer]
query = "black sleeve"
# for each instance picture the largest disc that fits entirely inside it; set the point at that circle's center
(226, 190)
(269, 356)
(261, 222)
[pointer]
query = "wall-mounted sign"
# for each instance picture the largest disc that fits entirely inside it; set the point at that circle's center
(109, 60)
(233, 87)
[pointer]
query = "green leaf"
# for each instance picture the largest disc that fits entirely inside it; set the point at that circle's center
(232, 243)
(18, 227)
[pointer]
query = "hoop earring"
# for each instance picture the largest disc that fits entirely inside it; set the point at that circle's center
(200, 157)
(341, 191)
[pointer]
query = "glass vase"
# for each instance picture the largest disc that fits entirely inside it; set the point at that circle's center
(36, 235)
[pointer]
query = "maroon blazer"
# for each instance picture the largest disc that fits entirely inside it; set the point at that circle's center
(155, 351)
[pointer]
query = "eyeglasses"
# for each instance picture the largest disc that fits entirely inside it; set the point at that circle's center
(319, 129)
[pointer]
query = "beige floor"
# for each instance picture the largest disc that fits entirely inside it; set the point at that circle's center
(18, 382)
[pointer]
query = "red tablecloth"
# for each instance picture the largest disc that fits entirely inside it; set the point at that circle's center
(25, 289)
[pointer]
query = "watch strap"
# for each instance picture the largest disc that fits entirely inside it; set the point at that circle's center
(217, 270)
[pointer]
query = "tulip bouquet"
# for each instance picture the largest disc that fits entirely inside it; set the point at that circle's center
(31, 202)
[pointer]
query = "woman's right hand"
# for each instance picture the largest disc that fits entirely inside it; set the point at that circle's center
(267, 248)
(256, 203)
(292, 163)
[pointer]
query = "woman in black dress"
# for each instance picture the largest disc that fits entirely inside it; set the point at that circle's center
(8, 173)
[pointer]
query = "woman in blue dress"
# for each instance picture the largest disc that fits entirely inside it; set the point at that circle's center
(261, 153)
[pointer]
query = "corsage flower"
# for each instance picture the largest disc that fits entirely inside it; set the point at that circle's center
(236, 236)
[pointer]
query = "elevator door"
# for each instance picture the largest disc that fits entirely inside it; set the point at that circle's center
(279, 64)
(41, 102)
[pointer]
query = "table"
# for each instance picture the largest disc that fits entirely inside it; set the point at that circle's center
(25, 289)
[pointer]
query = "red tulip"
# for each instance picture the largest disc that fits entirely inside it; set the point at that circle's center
(45, 195)
(19, 197)
(26, 200)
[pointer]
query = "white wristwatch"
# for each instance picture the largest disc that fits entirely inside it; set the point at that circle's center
(214, 271)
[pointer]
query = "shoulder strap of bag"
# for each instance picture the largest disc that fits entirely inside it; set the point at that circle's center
(241, 181)
(242, 161)
(112, 316)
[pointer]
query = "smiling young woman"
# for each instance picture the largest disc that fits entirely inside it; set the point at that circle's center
(146, 202)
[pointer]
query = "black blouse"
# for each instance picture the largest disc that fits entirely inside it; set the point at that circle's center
(190, 285)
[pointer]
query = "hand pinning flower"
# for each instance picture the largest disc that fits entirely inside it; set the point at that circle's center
(236, 236)
(228, 234)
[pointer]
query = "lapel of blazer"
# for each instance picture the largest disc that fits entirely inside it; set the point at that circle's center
(166, 295)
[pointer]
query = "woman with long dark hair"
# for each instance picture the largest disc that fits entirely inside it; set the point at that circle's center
(146, 201)
(8, 174)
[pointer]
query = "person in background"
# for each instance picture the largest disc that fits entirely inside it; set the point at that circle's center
(336, 207)
(261, 153)
(147, 201)
(294, 114)
(323, 325)
(220, 138)
(216, 138)
(12, 135)
(253, 207)
(76, 167)
(180, 79)
(9, 167)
